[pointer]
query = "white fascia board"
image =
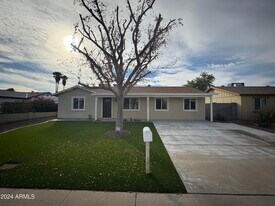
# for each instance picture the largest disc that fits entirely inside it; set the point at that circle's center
(72, 88)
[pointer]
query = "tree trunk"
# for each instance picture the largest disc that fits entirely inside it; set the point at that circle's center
(119, 118)
(56, 87)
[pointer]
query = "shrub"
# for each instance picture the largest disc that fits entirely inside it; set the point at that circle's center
(16, 107)
(42, 105)
(264, 118)
(39, 105)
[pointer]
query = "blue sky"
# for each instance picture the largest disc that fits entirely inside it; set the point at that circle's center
(234, 40)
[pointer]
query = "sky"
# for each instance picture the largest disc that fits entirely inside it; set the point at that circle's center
(233, 40)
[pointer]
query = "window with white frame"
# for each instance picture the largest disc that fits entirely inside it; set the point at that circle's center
(260, 103)
(161, 104)
(131, 104)
(190, 104)
(78, 103)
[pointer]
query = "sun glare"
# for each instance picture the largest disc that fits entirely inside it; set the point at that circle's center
(68, 41)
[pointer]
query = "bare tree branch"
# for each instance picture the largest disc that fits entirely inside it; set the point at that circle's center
(120, 51)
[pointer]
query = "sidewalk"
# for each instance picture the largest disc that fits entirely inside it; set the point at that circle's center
(72, 197)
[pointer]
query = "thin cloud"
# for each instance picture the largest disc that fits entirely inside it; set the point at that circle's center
(234, 40)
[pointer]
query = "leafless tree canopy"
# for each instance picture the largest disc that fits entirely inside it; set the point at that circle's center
(120, 45)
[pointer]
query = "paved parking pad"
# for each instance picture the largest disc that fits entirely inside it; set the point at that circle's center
(220, 158)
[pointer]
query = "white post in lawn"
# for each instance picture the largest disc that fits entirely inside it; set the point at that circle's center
(211, 108)
(148, 109)
(147, 138)
(148, 158)
(95, 108)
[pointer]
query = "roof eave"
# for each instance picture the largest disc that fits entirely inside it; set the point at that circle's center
(13, 97)
(224, 90)
(71, 88)
(257, 95)
(158, 94)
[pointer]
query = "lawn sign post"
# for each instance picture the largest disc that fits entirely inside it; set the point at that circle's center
(147, 138)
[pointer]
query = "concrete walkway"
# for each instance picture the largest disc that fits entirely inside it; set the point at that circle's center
(221, 158)
(30, 197)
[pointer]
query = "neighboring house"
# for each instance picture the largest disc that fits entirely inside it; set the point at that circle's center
(249, 100)
(13, 96)
(141, 103)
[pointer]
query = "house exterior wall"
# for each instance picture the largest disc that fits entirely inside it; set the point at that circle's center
(248, 109)
(65, 110)
(228, 97)
(245, 104)
(175, 110)
(140, 114)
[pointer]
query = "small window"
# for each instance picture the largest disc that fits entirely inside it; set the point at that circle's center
(260, 103)
(131, 104)
(78, 103)
(190, 104)
(161, 104)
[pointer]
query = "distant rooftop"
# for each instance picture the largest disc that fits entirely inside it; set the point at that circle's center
(19, 95)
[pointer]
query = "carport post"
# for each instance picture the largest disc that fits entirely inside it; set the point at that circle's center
(211, 108)
(95, 108)
(148, 109)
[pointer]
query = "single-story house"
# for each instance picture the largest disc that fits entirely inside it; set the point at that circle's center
(249, 99)
(141, 103)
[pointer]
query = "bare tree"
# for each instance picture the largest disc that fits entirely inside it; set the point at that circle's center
(119, 46)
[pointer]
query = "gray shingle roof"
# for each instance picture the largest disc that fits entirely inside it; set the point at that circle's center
(19, 95)
(142, 90)
(249, 90)
(158, 90)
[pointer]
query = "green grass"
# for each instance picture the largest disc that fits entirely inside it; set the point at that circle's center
(77, 155)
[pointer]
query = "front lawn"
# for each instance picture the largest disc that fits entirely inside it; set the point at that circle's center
(77, 155)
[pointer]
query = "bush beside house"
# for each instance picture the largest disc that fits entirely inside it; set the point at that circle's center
(265, 118)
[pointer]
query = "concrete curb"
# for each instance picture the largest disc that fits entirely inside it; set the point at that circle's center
(11, 196)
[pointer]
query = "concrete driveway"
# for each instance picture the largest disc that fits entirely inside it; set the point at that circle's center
(221, 158)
